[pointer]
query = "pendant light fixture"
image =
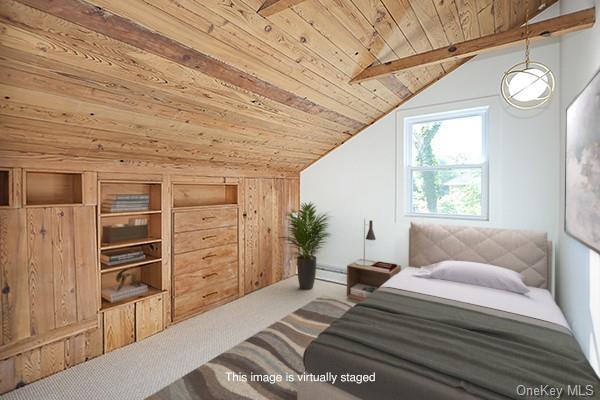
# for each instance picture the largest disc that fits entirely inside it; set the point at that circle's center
(528, 84)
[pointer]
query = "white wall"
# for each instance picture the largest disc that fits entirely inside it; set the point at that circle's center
(578, 268)
(358, 180)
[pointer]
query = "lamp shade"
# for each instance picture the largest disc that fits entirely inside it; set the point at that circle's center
(370, 233)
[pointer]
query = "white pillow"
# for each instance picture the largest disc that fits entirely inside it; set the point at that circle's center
(474, 273)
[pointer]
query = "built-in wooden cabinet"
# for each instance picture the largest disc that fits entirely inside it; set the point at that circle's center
(205, 241)
(206, 267)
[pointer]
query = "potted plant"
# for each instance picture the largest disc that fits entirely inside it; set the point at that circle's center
(308, 231)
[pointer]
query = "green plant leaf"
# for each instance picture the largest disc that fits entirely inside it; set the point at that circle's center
(308, 230)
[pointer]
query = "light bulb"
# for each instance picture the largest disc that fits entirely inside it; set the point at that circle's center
(528, 85)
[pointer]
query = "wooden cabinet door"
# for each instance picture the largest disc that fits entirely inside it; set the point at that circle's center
(148, 317)
(48, 270)
(62, 268)
(119, 327)
(268, 257)
(258, 233)
(14, 280)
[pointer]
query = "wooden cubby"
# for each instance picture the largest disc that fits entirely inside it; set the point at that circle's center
(5, 187)
(150, 270)
(46, 188)
(186, 195)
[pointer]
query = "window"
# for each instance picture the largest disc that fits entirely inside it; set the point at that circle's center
(446, 164)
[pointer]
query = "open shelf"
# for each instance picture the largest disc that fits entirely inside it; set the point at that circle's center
(4, 188)
(109, 190)
(53, 188)
(127, 243)
(151, 292)
(198, 195)
(129, 214)
(147, 261)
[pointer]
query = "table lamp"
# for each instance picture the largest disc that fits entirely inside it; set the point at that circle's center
(367, 235)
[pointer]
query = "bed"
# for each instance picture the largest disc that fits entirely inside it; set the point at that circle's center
(440, 340)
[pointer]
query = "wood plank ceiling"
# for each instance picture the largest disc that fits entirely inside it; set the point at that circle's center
(212, 82)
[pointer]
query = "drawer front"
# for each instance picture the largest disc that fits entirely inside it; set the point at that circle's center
(206, 238)
(194, 302)
(186, 221)
(205, 278)
(201, 259)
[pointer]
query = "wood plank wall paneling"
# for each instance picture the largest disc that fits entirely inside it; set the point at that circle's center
(213, 84)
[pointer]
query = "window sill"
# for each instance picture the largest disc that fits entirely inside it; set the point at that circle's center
(452, 217)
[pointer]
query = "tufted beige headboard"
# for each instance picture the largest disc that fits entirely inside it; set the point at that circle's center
(522, 251)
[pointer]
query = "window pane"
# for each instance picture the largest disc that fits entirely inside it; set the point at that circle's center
(451, 192)
(447, 142)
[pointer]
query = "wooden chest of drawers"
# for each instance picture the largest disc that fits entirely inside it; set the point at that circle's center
(205, 259)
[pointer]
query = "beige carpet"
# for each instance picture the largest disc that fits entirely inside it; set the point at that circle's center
(141, 369)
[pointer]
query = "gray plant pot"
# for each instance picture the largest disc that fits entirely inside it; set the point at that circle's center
(307, 268)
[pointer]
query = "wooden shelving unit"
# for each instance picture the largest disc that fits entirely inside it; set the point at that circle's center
(137, 317)
(149, 270)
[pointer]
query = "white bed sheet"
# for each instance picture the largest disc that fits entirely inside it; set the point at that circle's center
(537, 303)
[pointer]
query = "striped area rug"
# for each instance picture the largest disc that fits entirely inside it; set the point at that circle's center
(276, 351)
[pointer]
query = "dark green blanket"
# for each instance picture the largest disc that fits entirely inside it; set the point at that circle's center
(487, 355)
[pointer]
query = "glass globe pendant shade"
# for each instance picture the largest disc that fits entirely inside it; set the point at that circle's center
(528, 85)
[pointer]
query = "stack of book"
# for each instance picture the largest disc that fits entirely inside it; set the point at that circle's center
(122, 256)
(126, 203)
(361, 290)
(113, 294)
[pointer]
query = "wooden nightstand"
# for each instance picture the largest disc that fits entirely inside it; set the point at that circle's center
(371, 276)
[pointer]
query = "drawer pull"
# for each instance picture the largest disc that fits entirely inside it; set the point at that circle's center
(211, 217)
(210, 294)
(209, 275)
(209, 256)
(209, 237)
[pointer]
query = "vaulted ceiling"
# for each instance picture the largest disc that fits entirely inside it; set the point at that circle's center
(213, 81)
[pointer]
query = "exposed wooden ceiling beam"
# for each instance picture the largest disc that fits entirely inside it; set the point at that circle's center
(548, 28)
(271, 7)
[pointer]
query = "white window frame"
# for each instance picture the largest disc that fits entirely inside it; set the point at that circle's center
(483, 112)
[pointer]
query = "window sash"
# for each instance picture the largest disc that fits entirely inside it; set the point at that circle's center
(484, 194)
(440, 117)
(483, 166)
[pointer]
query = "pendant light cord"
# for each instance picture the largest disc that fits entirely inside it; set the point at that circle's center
(527, 34)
